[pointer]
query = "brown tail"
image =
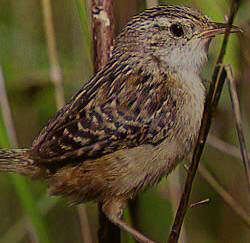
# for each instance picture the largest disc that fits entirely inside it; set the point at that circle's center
(18, 161)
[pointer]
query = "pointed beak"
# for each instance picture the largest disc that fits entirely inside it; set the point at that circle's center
(217, 29)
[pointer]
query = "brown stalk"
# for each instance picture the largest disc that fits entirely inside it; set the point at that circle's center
(175, 191)
(102, 34)
(7, 116)
(238, 122)
(200, 203)
(218, 80)
(55, 69)
(56, 78)
(102, 31)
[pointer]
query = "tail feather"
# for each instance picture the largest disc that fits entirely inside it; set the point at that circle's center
(18, 161)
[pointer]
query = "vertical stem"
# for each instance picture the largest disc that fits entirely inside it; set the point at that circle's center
(238, 122)
(84, 223)
(102, 31)
(7, 116)
(55, 69)
(56, 78)
(175, 191)
(218, 80)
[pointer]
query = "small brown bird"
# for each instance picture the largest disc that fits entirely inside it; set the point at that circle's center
(134, 121)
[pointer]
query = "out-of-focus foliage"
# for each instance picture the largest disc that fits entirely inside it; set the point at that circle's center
(24, 59)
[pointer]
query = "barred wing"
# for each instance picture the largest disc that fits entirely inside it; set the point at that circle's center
(107, 115)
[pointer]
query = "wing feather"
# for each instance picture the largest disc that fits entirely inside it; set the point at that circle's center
(108, 114)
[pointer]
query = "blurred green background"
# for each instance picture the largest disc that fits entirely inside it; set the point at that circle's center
(27, 213)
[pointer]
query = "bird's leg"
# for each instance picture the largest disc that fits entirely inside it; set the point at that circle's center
(113, 210)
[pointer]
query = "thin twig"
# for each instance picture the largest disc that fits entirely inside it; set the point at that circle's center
(7, 116)
(218, 80)
(238, 122)
(242, 213)
(200, 203)
(84, 223)
(55, 69)
(56, 78)
(175, 190)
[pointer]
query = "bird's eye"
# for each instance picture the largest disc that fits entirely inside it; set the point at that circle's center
(177, 30)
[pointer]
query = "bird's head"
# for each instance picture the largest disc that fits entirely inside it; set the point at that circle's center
(175, 37)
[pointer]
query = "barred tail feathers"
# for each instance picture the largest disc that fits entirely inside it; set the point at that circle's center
(18, 161)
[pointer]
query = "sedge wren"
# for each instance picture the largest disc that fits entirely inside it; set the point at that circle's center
(134, 121)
